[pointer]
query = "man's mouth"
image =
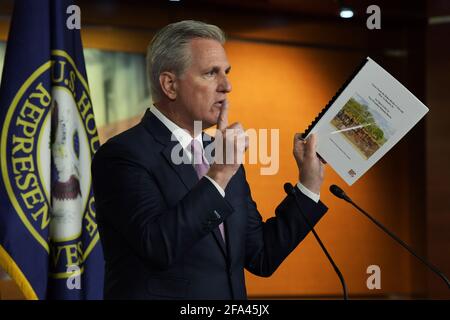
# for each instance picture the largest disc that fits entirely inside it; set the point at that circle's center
(220, 103)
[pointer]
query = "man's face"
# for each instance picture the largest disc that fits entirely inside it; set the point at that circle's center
(202, 89)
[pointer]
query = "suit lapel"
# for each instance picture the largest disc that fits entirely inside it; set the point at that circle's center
(162, 134)
(186, 173)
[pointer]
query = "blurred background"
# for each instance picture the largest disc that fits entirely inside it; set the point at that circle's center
(288, 59)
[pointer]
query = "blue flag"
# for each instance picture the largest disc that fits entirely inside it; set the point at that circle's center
(49, 242)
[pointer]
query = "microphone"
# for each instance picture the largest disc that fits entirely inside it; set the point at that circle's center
(291, 191)
(338, 192)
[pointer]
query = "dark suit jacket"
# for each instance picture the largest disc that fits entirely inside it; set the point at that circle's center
(158, 223)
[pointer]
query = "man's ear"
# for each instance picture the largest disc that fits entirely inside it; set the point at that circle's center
(168, 82)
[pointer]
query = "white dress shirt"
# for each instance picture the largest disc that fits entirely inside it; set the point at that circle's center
(185, 140)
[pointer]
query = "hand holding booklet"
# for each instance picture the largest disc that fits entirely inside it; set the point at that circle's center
(364, 120)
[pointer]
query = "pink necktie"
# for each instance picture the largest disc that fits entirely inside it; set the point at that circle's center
(201, 166)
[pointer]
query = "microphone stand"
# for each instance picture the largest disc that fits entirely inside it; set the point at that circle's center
(338, 192)
(290, 190)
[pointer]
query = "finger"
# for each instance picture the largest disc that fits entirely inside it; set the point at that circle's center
(243, 141)
(222, 122)
(239, 143)
(297, 136)
(237, 127)
(310, 147)
(299, 146)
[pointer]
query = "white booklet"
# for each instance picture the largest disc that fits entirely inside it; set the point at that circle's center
(364, 120)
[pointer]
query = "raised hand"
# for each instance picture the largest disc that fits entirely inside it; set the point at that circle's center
(230, 146)
(309, 164)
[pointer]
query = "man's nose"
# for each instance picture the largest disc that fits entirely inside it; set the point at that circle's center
(225, 84)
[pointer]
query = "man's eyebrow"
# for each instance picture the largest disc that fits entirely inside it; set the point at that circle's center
(217, 69)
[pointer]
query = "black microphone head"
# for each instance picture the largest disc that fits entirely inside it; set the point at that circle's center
(338, 192)
(288, 188)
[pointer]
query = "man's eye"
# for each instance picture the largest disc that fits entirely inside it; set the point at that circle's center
(211, 73)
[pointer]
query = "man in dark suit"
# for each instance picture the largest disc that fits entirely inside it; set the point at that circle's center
(175, 225)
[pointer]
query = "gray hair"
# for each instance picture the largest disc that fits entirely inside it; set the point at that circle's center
(167, 50)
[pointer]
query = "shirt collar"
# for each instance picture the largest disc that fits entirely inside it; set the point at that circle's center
(179, 133)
